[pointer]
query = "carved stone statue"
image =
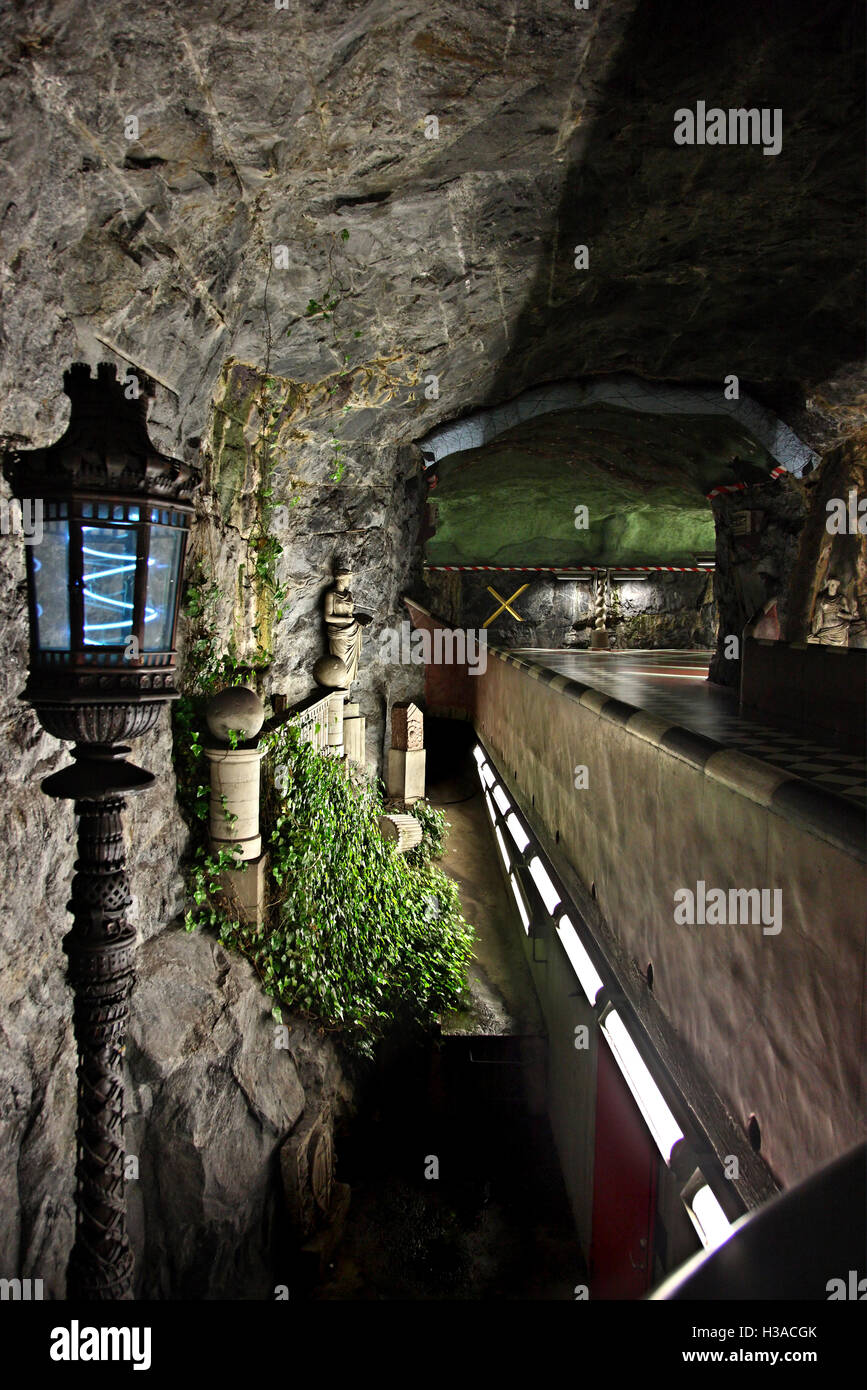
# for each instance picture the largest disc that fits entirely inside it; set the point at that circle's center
(342, 624)
(832, 616)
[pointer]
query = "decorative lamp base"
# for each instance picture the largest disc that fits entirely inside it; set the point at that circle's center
(101, 952)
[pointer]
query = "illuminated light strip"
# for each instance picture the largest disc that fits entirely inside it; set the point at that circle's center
(150, 614)
(583, 966)
(118, 569)
(650, 1100)
(502, 800)
(550, 896)
(503, 850)
(519, 899)
(486, 776)
(708, 1218)
(103, 600)
(517, 831)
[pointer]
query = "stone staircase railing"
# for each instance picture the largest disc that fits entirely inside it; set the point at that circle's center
(325, 720)
(312, 718)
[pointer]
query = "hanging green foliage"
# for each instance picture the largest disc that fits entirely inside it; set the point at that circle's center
(358, 937)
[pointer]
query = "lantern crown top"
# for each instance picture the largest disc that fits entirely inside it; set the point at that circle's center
(105, 447)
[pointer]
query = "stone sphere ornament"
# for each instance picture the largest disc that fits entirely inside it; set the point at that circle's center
(331, 672)
(235, 709)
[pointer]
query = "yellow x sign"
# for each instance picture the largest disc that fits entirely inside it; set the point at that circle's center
(505, 603)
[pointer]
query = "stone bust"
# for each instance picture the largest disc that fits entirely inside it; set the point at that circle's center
(342, 624)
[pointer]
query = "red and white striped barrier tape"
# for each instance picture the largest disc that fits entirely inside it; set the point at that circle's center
(570, 569)
(741, 487)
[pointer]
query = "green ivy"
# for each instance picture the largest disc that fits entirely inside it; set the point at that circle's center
(434, 827)
(358, 938)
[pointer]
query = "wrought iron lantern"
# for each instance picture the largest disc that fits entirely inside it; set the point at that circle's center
(103, 587)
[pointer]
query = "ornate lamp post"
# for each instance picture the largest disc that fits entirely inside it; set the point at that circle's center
(103, 588)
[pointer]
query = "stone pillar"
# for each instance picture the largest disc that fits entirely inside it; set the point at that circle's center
(404, 832)
(235, 797)
(336, 705)
(599, 635)
(354, 733)
(406, 758)
(235, 776)
(757, 545)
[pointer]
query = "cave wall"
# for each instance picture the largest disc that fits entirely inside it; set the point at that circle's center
(667, 610)
(756, 566)
(269, 479)
(788, 552)
(406, 258)
(213, 1108)
(642, 479)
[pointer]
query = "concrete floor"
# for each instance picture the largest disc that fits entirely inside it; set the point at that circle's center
(502, 999)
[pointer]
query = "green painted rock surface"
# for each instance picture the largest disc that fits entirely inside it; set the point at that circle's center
(643, 479)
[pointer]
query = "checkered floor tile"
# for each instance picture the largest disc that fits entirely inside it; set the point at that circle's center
(843, 773)
(652, 681)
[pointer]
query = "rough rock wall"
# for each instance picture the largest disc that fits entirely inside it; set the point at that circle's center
(707, 260)
(667, 610)
(156, 159)
(755, 565)
(143, 207)
(274, 473)
(211, 1101)
(784, 550)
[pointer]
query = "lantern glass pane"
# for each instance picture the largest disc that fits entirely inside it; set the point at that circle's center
(50, 560)
(163, 565)
(108, 557)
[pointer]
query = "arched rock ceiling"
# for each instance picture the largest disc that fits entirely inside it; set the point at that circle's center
(643, 479)
(263, 127)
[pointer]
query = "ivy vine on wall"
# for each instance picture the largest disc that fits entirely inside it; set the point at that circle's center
(357, 937)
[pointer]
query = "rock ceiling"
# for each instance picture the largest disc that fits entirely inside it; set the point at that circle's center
(156, 240)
